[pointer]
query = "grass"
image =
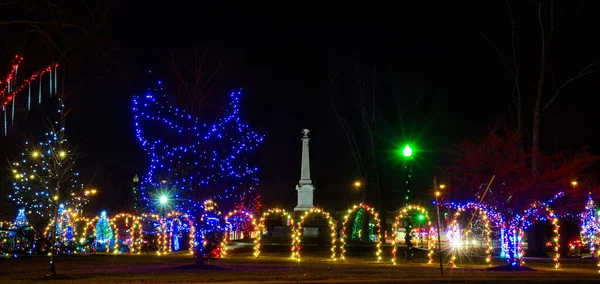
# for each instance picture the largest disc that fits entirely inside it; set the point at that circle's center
(273, 267)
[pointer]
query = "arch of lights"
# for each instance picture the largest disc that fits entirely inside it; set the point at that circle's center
(297, 235)
(153, 218)
(65, 218)
(166, 225)
(521, 224)
(404, 214)
(375, 215)
(262, 229)
(485, 214)
(229, 229)
(132, 223)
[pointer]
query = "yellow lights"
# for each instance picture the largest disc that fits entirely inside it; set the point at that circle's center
(404, 214)
(31, 177)
(297, 234)
(375, 215)
(165, 239)
(62, 154)
(357, 184)
(90, 192)
(442, 186)
(458, 240)
(131, 225)
(210, 205)
(437, 193)
(574, 183)
(261, 225)
(35, 154)
(55, 197)
(93, 191)
(228, 231)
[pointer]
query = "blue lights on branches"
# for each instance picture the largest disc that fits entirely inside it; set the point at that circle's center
(191, 161)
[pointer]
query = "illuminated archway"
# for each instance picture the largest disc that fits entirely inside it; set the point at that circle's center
(375, 215)
(82, 226)
(457, 238)
(296, 237)
(404, 213)
(133, 223)
(152, 219)
(261, 226)
(228, 229)
(167, 231)
(521, 224)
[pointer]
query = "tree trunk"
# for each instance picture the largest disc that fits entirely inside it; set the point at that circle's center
(199, 241)
(52, 270)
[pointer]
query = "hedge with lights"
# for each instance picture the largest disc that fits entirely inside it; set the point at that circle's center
(297, 235)
(404, 213)
(262, 229)
(372, 212)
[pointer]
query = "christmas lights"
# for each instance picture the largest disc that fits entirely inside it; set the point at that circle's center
(233, 222)
(10, 88)
(44, 176)
(372, 212)
(263, 230)
(168, 228)
(297, 235)
(455, 235)
(20, 220)
(590, 228)
(188, 157)
(404, 213)
(103, 231)
(135, 237)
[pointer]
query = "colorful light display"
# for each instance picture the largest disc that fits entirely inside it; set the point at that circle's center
(231, 228)
(104, 232)
(45, 176)
(167, 228)
(456, 238)
(372, 212)
(131, 224)
(404, 213)
(20, 220)
(262, 229)
(590, 227)
(188, 157)
(297, 235)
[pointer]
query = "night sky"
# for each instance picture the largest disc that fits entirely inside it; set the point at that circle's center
(285, 59)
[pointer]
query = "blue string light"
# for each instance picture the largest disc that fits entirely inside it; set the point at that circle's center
(191, 161)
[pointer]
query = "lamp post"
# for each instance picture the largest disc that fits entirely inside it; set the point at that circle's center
(437, 206)
(407, 153)
(574, 184)
(136, 181)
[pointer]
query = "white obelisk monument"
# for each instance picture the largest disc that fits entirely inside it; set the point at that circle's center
(305, 187)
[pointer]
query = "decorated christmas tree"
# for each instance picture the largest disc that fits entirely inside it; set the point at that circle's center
(357, 225)
(104, 232)
(21, 219)
(590, 229)
(191, 161)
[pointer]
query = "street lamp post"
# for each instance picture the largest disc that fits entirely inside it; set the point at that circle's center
(574, 184)
(437, 206)
(407, 153)
(357, 185)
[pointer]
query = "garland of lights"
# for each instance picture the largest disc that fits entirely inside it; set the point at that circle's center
(349, 212)
(297, 235)
(533, 211)
(63, 221)
(590, 228)
(214, 158)
(10, 88)
(103, 231)
(403, 214)
(160, 236)
(20, 220)
(136, 242)
(229, 229)
(263, 230)
(456, 234)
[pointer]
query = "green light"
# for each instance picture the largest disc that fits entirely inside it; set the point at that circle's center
(421, 217)
(163, 199)
(407, 151)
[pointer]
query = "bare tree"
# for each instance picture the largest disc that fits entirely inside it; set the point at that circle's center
(196, 77)
(547, 84)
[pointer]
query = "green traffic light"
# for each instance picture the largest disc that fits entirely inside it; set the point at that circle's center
(407, 151)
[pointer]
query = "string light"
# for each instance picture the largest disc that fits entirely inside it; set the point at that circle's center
(590, 227)
(132, 224)
(404, 214)
(230, 228)
(375, 215)
(455, 234)
(263, 230)
(213, 159)
(297, 235)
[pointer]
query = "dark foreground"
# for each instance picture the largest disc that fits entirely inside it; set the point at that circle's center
(179, 268)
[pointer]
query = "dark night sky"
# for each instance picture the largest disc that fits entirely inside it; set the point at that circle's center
(284, 61)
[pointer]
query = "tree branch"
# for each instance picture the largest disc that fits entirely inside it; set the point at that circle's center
(585, 71)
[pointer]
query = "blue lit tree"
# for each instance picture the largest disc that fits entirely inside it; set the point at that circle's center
(104, 232)
(21, 219)
(590, 227)
(192, 161)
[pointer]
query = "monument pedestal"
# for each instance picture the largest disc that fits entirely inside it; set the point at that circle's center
(305, 188)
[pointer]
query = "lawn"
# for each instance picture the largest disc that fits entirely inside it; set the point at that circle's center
(277, 268)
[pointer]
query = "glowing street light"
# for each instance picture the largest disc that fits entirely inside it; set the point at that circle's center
(407, 151)
(163, 199)
(357, 185)
(574, 184)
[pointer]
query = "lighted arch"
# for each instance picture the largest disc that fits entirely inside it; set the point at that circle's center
(521, 225)
(261, 225)
(454, 228)
(132, 222)
(67, 215)
(403, 214)
(375, 215)
(226, 237)
(167, 232)
(160, 234)
(83, 230)
(298, 232)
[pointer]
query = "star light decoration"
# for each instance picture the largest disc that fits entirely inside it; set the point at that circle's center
(190, 160)
(44, 176)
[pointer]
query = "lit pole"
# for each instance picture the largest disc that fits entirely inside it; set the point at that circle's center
(407, 153)
(135, 196)
(437, 205)
(574, 184)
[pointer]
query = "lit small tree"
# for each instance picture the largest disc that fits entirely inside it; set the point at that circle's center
(44, 177)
